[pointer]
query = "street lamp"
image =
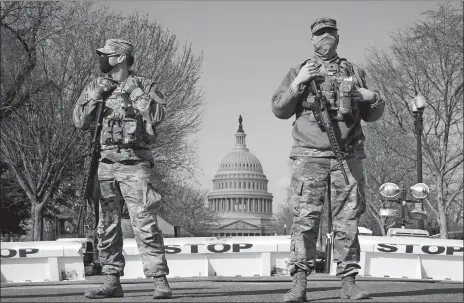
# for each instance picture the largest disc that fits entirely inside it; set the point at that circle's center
(396, 195)
(388, 190)
(417, 106)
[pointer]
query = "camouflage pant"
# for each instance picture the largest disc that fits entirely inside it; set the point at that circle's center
(131, 180)
(309, 183)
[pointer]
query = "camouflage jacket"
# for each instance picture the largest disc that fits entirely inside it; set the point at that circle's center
(149, 111)
(309, 140)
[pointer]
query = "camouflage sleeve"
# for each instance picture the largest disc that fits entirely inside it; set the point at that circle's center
(369, 112)
(84, 109)
(151, 104)
(284, 100)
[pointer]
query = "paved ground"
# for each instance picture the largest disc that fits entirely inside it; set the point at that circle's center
(321, 287)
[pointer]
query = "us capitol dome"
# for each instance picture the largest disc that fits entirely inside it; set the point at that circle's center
(239, 198)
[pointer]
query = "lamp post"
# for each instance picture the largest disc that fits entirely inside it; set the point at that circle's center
(394, 194)
(417, 106)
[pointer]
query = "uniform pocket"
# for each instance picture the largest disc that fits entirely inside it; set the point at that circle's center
(296, 185)
(151, 198)
(295, 199)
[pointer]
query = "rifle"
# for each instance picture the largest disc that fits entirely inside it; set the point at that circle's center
(90, 186)
(322, 116)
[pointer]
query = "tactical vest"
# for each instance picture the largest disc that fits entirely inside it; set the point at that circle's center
(123, 127)
(340, 80)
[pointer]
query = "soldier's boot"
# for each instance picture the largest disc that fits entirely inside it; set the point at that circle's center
(162, 289)
(352, 291)
(298, 291)
(110, 289)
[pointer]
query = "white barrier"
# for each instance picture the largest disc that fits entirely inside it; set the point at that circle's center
(41, 261)
(395, 257)
(410, 258)
(210, 256)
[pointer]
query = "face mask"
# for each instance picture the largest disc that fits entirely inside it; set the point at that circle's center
(105, 65)
(325, 46)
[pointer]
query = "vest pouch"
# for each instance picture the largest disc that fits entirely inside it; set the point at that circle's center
(107, 137)
(129, 131)
(111, 132)
(345, 110)
(117, 133)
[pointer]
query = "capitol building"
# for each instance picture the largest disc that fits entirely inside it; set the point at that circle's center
(239, 198)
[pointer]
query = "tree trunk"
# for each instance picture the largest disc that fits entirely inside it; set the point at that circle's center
(37, 222)
(442, 220)
(383, 229)
(380, 221)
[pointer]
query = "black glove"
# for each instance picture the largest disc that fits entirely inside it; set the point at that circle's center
(103, 86)
(132, 88)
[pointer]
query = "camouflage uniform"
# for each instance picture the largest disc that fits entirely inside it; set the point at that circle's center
(314, 166)
(125, 170)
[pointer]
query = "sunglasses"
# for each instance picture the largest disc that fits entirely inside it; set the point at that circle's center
(105, 55)
(322, 31)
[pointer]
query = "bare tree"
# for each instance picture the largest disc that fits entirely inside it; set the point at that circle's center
(185, 205)
(37, 146)
(284, 213)
(427, 58)
(388, 160)
(39, 143)
(25, 27)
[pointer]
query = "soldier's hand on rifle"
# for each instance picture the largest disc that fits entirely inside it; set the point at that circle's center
(306, 74)
(103, 85)
(363, 95)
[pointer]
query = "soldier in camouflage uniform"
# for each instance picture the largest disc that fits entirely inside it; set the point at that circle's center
(314, 164)
(133, 108)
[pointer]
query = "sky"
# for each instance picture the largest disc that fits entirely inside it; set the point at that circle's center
(248, 47)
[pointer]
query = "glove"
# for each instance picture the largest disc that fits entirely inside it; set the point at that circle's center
(364, 95)
(103, 86)
(307, 72)
(132, 88)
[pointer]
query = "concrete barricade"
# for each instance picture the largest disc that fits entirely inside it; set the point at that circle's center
(211, 256)
(41, 261)
(394, 257)
(410, 258)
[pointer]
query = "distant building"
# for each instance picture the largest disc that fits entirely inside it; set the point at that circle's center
(239, 196)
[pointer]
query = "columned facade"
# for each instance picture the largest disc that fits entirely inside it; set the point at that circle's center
(239, 196)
